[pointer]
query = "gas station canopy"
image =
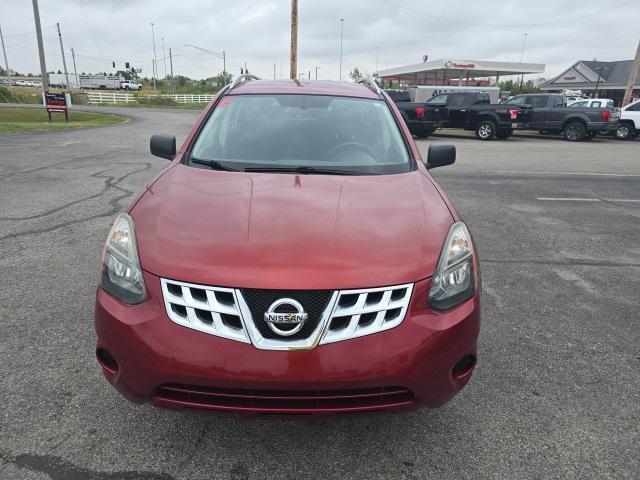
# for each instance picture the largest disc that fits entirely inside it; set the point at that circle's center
(441, 72)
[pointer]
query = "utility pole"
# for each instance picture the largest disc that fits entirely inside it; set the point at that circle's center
(43, 63)
(173, 87)
(221, 55)
(309, 76)
(293, 67)
(155, 60)
(64, 60)
(164, 57)
(633, 76)
(75, 71)
(317, 72)
(6, 63)
(341, 32)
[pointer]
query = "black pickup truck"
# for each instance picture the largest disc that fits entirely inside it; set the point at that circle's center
(466, 110)
(551, 115)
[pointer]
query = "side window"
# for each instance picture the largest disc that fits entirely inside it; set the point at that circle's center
(516, 101)
(460, 99)
(582, 103)
(482, 99)
(635, 107)
(438, 99)
(538, 101)
(596, 104)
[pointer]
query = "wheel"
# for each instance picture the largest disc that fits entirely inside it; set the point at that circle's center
(126, 87)
(625, 132)
(502, 134)
(574, 131)
(486, 130)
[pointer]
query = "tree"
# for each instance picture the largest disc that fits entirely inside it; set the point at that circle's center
(127, 74)
(355, 74)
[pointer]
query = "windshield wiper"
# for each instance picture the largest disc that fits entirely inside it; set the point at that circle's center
(215, 165)
(302, 169)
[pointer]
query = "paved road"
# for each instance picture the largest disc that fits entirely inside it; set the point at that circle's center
(556, 394)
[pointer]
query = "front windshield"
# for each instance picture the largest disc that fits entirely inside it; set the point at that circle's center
(301, 132)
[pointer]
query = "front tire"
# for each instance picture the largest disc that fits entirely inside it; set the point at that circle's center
(574, 131)
(625, 132)
(486, 130)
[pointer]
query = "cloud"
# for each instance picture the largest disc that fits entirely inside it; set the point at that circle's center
(257, 32)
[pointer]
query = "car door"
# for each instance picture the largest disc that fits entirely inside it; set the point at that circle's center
(458, 105)
(540, 114)
(557, 112)
(436, 108)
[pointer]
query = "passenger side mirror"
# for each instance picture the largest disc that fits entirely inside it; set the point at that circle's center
(163, 145)
(441, 155)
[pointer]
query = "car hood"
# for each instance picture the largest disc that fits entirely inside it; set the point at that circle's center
(287, 231)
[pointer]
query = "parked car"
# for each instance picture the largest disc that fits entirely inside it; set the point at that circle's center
(296, 257)
(466, 110)
(629, 126)
(592, 103)
(550, 114)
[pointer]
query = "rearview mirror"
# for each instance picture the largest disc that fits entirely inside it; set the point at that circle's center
(441, 155)
(163, 145)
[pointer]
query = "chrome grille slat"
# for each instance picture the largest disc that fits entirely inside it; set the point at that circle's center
(372, 303)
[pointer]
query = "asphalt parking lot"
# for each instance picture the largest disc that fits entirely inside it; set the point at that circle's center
(556, 393)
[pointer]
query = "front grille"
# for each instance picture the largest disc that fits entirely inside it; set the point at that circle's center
(239, 400)
(238, 314)
(314, 303)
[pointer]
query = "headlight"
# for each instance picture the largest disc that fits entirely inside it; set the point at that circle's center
(454, 279)
(120, 271)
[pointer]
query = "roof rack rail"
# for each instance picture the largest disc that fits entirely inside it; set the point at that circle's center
(247, 77)
(373, 86)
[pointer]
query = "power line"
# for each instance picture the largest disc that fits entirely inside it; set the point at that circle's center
(507, 25)
(28, 33)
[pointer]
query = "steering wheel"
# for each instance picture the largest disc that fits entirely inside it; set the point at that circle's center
(362, 147)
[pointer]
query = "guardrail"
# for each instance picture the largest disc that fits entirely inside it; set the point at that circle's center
(101, 96)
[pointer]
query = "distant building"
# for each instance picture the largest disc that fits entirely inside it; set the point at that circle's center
(455, 72)
(610, 78)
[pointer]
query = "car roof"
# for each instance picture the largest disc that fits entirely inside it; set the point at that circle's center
(304, 87)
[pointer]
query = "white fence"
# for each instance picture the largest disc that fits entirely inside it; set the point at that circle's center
(101, 96)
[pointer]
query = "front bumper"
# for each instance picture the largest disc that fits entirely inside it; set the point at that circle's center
(147, 357)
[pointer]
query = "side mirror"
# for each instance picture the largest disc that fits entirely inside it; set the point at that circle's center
(163, 145)
(441, 155)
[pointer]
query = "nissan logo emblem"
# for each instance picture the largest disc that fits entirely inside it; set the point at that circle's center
(279, 316)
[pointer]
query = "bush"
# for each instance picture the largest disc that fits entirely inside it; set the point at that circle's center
(157, 101)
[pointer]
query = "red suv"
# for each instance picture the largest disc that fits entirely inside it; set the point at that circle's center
(295, 257)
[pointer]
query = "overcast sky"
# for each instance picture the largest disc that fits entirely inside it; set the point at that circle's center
(257, 32)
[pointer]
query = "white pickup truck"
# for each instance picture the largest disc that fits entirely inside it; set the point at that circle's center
(130, 85)
(629, 126)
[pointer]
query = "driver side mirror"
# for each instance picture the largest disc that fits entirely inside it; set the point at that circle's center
(440, 155)
(163, 145)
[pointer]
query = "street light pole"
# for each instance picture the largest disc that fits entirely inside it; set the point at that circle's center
(317, 72)
(155, 60)
(524, 41)
(164, 57)
(599, 69)
(341, 34)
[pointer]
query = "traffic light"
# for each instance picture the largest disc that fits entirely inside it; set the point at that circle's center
(127, 65)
